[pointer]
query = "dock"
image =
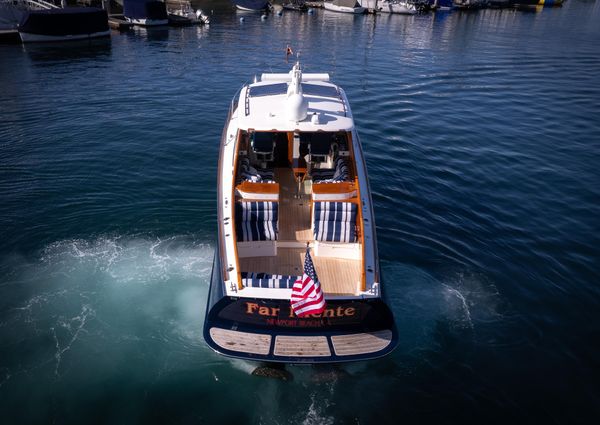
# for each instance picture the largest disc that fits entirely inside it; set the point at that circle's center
(118, 22)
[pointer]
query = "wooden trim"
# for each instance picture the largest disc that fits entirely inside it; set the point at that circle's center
(259, 188)
(233, 232)
(290, 136)
(254, 200)
(330, 188)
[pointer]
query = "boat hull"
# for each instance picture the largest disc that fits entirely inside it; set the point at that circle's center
(399, 8)
(145, 13)
(63, 24)
(251, 5)
(342, 9)
(148, 22)
(266, 330)
(36, 38)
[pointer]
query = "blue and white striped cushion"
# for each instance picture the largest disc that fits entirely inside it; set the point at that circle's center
(340, 173)
(251, 174)
(256, 221)
(334, 221)
(265, 280)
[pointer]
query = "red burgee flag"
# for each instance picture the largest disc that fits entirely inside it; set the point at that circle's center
(307, 297)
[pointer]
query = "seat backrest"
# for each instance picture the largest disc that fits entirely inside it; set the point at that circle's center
(334, 221)
(320, 144)
(256, 220)
(265, 280)
(262, 142)
(342, 172)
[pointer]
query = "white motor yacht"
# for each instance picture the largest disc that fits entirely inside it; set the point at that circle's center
(294, 199)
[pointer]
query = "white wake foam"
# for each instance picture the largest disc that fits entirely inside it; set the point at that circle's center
(421, 302)
(107, 301)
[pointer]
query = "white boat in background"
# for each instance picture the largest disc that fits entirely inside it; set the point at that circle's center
(145, 13)
(469, 4)
(251, 5)
(292, 181)
(184, 9)
(344, 6)
(395, 6)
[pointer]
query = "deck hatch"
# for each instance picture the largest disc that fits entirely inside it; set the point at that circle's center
(318, 90)
(268, 90)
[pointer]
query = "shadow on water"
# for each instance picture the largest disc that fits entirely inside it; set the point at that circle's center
(60, 53)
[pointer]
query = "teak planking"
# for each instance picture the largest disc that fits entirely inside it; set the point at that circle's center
(337, 276)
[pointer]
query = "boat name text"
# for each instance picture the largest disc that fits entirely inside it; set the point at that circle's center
(254, 308)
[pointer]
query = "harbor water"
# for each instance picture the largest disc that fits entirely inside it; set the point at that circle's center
(481, 133)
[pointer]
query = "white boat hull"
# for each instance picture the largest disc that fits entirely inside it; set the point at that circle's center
(246, 9)
(31, 38)
(343, 9)
(399, 8)
(193, 17)
(147, 22)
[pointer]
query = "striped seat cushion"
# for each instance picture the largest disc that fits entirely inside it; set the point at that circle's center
(251, 174)
(265, 280)
(340, 173)
(334, 221)
(256, 221)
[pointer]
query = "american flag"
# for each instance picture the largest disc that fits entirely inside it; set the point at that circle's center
(307, 297)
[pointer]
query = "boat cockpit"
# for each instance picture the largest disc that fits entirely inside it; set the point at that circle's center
(294, 189)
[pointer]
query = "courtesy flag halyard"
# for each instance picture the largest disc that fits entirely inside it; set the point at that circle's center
(307, 297)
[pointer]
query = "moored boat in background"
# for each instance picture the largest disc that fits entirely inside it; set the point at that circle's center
(396, 6)
(251, 5)
(297, 5)
(63, 24)
(469, 4)
(145, 12)
(444, 4)
(184, 9)
(344, 6)
(534, 4)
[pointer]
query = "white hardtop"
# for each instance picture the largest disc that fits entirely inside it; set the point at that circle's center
(293, 102)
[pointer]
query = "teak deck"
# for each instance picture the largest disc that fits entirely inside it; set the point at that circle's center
(337, 276)
(294, 213)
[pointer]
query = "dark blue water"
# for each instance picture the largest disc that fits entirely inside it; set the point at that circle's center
(482, 137)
